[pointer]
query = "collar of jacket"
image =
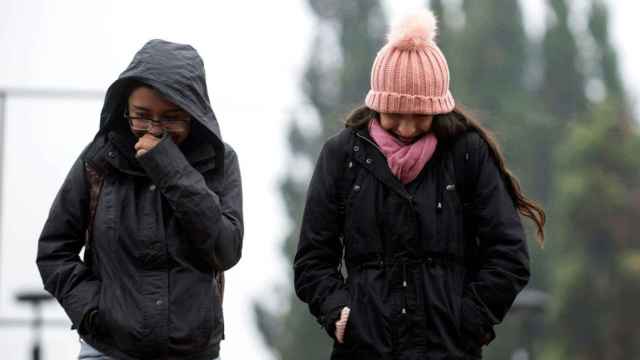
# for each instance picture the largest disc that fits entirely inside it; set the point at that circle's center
(116, 150)
(366, 152)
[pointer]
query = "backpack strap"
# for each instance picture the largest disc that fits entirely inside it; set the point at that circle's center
(344, 184)
(220, 283)
(466, 170)
(95, 180)
(345, 181)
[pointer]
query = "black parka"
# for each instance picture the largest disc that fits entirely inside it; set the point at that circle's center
(165, 224)
(430, 271)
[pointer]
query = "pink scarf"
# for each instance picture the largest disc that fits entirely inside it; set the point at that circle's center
(405, 160)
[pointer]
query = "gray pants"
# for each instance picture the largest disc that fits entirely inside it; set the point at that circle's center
(87, 352)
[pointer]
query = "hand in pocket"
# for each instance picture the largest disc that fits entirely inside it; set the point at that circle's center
(341, 324)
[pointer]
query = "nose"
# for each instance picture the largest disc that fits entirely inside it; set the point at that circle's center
(156, 129)
(406, 128)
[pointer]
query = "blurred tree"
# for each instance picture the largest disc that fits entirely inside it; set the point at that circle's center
(604, 51)
(446, 33)
(598, 262)
(348, 35)
(563, 90)
(598, 259)
(607, 69)
(493, 45)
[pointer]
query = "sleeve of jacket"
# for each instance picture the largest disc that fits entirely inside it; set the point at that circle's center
(212, 220)
(503, 254)
(63, 273)
(318, 282)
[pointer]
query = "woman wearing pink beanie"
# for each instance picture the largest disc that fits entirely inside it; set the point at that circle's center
(415, 198)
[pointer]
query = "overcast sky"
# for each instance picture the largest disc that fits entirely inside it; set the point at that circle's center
(254, 52)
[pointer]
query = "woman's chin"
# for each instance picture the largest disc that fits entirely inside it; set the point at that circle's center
(407, 140)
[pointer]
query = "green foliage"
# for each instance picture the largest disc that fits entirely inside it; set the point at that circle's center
(598, 281)
(489, 57)
(599, 28)
(563, 89)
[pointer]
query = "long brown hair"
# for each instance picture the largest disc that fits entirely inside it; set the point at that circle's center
(449, 126)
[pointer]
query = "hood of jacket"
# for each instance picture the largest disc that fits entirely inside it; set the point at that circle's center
(175, 71)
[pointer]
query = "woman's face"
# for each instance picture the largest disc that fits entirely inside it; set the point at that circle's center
(149, 112)
(406, 127)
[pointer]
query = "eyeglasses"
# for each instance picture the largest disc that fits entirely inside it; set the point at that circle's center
(168, 123)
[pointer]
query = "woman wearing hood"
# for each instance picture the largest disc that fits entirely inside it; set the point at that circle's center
(156, 201)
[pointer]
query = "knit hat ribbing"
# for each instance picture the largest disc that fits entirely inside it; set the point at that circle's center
(410, 74)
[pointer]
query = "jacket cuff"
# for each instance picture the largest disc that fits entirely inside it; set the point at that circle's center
(88, 322)
(330, 321)
(331, 308)
(79, 312)
(339, 298)
(164, 163)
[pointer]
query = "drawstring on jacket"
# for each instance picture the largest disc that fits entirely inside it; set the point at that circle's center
(403, 264)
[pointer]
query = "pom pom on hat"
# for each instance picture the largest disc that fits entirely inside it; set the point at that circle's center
(416, 31)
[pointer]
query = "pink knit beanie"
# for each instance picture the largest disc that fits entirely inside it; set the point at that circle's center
(410, 74)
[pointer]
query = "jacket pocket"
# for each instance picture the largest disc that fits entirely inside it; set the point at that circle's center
(348, 339)
(120, 321)
(210, 310)
(443, 298)
(454, 287)
(350, 345)
(472, 332)
(206, 324)
(368, 327)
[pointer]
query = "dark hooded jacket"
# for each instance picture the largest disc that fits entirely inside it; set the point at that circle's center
(165, 224)
(432, 265)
